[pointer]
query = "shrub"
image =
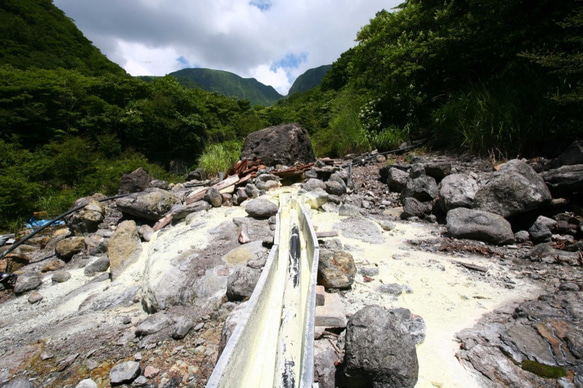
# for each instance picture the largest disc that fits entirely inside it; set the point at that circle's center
(219, 157)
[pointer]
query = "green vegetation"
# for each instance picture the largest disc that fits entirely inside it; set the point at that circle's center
(218, 158)
(309, 80)
(228, 84)
(543, 370)
(497, 78)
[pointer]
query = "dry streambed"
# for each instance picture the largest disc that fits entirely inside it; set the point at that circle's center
(447, 295)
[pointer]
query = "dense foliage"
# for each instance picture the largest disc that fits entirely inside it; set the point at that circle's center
(498, 77)
(228, 84)
(502, 77)
(311, 79)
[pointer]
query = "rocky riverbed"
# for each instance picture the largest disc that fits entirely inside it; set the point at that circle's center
(492, 315)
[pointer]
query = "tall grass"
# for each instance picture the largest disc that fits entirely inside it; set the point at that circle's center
(345, 133)
(219, 157)
(495, 118)
(388, 139)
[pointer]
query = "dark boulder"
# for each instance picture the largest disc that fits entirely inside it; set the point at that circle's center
(283, 144)
(479, 225)
(457, 190)
(420, 186)
(565, 180)
(380, 352)
(150, 205)
(572, 155)
(415, 208)
(137, 180)
(241, 283)
(514, 189)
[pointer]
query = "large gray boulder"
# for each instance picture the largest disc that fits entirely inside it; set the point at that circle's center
(67, 248)
(395, 178)
(479, 225)
(380, 352)
(572, 155)
(565, 180)
(241, 283)
(514, 189)
(150, 205)
(87, 219)
(135, 181)
(457, 190)
(282, 144)
(261, 208)
(27, 281)
(420, 186)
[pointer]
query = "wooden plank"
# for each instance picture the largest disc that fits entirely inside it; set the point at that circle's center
(219, 186)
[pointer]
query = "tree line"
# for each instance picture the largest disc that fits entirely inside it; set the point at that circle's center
(492, 77)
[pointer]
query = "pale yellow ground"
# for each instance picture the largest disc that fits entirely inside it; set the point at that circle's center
(447, 296)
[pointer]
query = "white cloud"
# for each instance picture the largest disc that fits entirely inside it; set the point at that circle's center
(277, 77)
(245, 37)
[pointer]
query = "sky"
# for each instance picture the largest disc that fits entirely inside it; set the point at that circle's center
(273, 41)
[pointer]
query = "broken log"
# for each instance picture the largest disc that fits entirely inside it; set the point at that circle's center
(162, 222)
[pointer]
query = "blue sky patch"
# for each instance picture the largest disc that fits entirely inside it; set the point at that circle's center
(183, 62)
(263, 5)
(290, 61)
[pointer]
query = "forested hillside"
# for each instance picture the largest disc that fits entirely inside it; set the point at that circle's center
(228, 84)
(494, 77)
(72, 122)
(501, 78)
(311, 79)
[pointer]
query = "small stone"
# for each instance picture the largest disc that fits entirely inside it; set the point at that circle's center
(140, 381)
(347, 210)
(569, 286)
(18, 383)
(151, 372)
(53, 265)
(521, 236)
(61, 277)
(96, 266)
(387, 226)
(391, 289)
(123, 373)
(369, 271)
(87, 383)
(64, 364)
(35, 297)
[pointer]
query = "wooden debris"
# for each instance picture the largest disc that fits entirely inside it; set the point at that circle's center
(162, 222)
(199, 195)
(292, 171)
(473, 267)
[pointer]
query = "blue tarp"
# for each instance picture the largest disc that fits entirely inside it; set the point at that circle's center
(36, 224)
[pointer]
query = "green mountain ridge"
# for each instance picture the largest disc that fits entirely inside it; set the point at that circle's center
(228, 84)
(38, 34)
(311, 79)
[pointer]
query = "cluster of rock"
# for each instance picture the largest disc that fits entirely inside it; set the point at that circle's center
(513, 204)
(495, 206)
(107, 235)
